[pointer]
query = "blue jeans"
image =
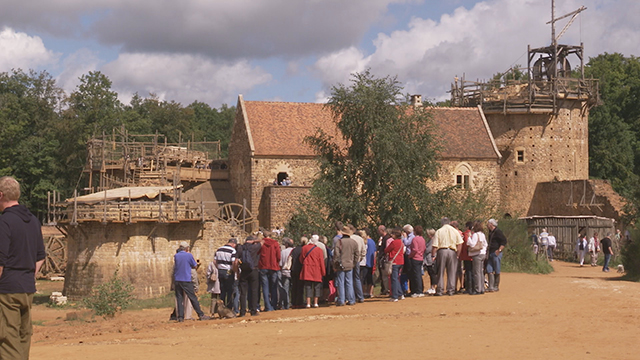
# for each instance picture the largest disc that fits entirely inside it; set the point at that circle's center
(236, 296)
(269, 284)
(607, 257)
(357, 283)
(344, 287)
(284, 284)
(493, 264)
(396, 290)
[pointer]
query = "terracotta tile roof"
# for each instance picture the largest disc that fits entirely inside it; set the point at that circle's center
(278, 129)
(463, 133)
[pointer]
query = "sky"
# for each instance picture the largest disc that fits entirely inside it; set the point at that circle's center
(294, 50)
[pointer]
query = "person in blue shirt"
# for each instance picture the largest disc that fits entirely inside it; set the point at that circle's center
(184, 262)
(367, 271)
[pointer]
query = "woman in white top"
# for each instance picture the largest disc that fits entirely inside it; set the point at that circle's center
(477, 248)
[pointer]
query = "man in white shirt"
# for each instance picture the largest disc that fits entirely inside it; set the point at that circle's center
(551, 246)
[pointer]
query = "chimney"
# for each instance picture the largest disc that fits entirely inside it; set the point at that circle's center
(416, 100)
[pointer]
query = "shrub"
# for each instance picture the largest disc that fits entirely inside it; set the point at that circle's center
(518, 255)
(631, 256)
(110, 297)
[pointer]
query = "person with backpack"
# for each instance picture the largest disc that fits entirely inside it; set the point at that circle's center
(284, 279)
(248, 254)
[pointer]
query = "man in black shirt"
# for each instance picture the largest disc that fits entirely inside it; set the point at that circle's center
(497, 242)
(607, 250)
(21, 256)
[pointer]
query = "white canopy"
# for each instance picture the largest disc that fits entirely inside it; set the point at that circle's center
(124, 193)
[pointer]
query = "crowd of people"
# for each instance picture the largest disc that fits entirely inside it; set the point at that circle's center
(545, 244)
(344, 270)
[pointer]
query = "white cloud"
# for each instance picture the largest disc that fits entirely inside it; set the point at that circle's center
(19, 50)
(74, 66)
(483, 40)
(217, 28)
(183, 78)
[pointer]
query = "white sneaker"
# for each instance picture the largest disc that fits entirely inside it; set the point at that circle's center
(402, 297)
(415, 295)
(393, 300)
(420, 295)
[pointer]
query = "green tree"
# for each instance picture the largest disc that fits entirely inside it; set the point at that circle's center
(210, 124)
(378, 171)
(29, 104)
(614, 127)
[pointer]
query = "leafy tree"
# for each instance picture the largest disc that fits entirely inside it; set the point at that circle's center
(210, 124)
(377, 172)
(29, 104)
(614, 127)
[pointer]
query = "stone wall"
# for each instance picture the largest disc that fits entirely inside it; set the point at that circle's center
(483, 174)
(240, 157)
(574, 198)
(302, 172)
(143, 252)
(279, 203)
(539, 148)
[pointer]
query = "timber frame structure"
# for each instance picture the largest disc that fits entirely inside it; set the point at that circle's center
(548, 80)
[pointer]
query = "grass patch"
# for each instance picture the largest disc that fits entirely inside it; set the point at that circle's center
(518, 255)
(167, 301)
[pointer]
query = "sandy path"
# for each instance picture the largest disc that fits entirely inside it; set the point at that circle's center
(574, 313)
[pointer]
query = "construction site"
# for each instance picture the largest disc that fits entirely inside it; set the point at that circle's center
(145, 196)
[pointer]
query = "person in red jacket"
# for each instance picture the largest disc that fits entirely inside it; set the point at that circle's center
(269, 265)
(313, 270)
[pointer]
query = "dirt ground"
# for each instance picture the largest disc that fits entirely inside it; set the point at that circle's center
(573, 313)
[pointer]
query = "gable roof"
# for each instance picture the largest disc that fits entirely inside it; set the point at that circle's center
(279, 128)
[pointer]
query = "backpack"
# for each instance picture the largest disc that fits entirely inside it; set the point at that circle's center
(248, 262)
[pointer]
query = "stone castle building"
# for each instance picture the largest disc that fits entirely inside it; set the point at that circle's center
(267, 146)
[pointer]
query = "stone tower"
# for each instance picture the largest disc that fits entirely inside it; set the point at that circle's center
(539, 119)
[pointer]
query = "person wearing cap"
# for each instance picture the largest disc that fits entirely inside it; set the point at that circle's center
(184, 262)
(447, 243)
(225, 258)
(497, 242)
(345, 257)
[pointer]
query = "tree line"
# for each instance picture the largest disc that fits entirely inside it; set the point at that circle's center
(44, 131)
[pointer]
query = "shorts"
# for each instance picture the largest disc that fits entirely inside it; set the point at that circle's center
(366, 275)
(312, 289)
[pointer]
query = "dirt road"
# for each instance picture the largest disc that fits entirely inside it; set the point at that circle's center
(573, 313)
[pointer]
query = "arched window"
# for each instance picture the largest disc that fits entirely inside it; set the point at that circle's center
(463, 176)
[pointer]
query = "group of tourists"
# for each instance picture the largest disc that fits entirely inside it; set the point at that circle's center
(545, 243)
(343, 270)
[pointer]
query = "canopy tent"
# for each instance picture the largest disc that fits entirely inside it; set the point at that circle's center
(123, 193)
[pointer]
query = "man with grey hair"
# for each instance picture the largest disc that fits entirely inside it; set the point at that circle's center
(497, 242)
(21, 256)
(447, 243)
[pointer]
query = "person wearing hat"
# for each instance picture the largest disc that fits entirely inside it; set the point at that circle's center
(184, 262)
(345, 257)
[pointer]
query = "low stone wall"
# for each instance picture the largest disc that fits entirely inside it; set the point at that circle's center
(143, 253)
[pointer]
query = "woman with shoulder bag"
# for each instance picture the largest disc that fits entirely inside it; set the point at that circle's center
(395, 251)
(477, 247)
